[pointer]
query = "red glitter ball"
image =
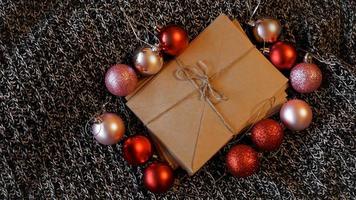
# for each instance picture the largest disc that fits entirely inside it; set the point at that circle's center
(267, 135)
(242, 160)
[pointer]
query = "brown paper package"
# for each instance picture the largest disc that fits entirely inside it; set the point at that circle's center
(186, 128)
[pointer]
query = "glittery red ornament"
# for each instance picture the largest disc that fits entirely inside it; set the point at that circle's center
(120, 80)
(137, 149)
(242, 160)
(267, 135)
(305, 77)
(173, 39)
(158, 177)
(283, 55)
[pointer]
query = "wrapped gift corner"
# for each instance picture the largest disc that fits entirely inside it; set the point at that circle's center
(187, 126)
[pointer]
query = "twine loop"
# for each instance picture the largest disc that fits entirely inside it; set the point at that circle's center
(199, 74)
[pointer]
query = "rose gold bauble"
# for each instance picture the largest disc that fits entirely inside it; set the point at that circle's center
(267, 30)
(242, 160)
(120, 80)
(173, 39)
(282, 55)
(296, 114)
(148, 61)
(108, 128)
(267, 135)
(158, 177)
(137, 149)
(305, 77)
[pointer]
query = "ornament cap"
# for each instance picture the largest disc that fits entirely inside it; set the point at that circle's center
(251, 23)
(158, 28)
(156, 48)
(308, 58)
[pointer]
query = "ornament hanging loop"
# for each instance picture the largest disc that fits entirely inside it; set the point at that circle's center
(95, 118)
(129, 20)
(252, 13)
(265, 50)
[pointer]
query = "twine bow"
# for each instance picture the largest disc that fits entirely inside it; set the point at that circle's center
(199, 77)
(199, 74)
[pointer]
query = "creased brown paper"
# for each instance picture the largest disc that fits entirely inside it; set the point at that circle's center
(186, 125)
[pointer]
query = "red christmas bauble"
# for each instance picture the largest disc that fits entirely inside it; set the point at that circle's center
(305, 77)
(121, 80)
(242, 160)
(173, 39)
(283, 55)
(137, 149)
(267, 135)
(158, 177)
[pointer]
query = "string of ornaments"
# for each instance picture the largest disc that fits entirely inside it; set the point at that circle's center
(241, 160)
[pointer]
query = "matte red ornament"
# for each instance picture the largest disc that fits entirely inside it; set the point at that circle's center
(267, 135)
(173, 39)
(305, 77)
(242, 160)
(120, 80)
(283, 55)
(158, 177)
(137, 150)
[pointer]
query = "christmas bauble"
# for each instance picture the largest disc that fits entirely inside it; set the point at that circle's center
(108, 128)
(148, 61)
(173, 39)
(267, 30)
(158, 177)
(296, 114)
(283, 55)
(267, 135)
(120, 80)
(305, 77)
(242, 160)
(137, 149)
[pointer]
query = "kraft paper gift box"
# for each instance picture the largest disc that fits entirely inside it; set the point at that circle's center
(187, 122)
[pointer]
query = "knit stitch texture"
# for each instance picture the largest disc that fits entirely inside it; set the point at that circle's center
(53, 57)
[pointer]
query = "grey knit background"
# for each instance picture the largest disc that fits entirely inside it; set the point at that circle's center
(53, 56)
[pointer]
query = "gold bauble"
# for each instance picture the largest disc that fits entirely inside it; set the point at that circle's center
(267, 30)
(148, 61)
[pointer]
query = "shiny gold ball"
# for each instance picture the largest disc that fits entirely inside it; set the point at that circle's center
(148, 61)
(267, 30)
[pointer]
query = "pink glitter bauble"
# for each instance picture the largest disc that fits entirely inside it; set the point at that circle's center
(120, 80)
(305, 77)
